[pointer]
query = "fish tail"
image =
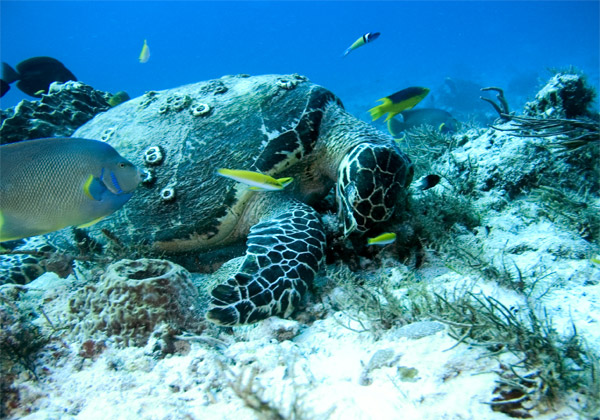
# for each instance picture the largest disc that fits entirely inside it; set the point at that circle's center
(376, 112)
(285, 181)
(9, 75)
(379, 110)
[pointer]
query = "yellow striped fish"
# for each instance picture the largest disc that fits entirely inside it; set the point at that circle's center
(383, 239)
(256, 180)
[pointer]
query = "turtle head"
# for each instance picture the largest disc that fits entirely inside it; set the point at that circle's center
(370, 179)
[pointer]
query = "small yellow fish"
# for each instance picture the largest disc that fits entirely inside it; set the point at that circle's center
(256, 180)
(383, 239)
(145, 54)
(398, 102)
(118, 98)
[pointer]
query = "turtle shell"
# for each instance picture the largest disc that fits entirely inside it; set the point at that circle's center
(179, 137)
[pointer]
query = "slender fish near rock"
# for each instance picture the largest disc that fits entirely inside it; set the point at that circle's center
(256, 180)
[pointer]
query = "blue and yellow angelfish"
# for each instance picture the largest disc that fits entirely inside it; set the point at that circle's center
(48, 184)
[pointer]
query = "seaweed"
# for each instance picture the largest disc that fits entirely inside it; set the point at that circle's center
(251, 392)
(248, 388)
(362, 307)
(425, 144)
(502, 107)
(549, 365)
(574, 209)
(20, 339)
(565, 133)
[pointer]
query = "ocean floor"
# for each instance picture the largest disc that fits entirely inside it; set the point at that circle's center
(499, 318)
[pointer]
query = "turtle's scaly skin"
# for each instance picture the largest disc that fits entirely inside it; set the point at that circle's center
(284, 254)
(282, 126)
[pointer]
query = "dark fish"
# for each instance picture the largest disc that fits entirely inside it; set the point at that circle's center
(438, 118)
(4, 87)
(365, 39)
(398, 102)
(428, 182)
(9, 75)
(35, 75)
(48, 184)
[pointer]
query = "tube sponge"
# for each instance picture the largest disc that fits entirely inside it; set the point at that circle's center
(132, 298)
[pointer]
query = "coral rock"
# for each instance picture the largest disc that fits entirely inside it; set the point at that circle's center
(133, 298)
(564, 96)
(65, 108)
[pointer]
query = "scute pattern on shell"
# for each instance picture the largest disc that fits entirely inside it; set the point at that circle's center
(252, 124)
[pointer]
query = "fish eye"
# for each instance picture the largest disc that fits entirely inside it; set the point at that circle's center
(122, 164)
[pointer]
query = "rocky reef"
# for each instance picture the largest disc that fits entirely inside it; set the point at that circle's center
(564, 96)
(66, 107)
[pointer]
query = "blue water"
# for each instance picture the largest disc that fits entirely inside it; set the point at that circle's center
(507, 44)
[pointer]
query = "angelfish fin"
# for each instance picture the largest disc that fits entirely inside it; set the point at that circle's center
(93, 222)
(94, 188)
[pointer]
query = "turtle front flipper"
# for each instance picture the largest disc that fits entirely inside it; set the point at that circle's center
(26, 263)
(285, 251)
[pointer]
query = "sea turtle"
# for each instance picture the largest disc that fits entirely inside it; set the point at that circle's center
(280, 125)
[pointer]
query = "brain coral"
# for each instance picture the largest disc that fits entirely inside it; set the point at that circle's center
(132, 298)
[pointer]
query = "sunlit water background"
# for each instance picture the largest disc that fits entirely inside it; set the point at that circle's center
(513, 45)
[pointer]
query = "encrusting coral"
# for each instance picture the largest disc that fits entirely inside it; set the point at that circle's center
(132, 298)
